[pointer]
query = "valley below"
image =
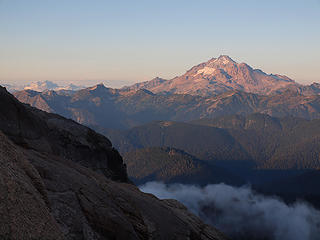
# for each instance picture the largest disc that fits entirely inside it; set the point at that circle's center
(241, 212)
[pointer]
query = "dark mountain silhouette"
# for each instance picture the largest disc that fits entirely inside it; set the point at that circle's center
(260, 141)
(281, 143)
(205, 143)
(172, 165)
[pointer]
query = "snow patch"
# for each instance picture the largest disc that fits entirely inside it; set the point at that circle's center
(206, 70)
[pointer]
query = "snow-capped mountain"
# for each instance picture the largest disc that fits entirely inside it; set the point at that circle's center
(41, 86)
(216, 76)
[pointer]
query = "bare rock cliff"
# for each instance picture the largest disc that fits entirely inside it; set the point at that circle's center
(61, 180)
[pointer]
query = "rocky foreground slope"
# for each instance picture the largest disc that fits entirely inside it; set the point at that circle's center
(56, 182)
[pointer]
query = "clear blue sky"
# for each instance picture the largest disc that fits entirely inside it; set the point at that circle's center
(128, 41)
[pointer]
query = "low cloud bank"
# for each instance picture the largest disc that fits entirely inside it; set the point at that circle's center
(242, 213)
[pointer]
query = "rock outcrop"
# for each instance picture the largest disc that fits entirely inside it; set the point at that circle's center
(53, 134)
(57, 182)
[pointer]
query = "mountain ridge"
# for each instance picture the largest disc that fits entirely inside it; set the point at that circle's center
(256, 141)
(93, 106)
(171, 165)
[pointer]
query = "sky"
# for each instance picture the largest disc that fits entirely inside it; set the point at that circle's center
(122, 42)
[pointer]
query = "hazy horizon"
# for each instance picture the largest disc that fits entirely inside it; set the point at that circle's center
(120, 43)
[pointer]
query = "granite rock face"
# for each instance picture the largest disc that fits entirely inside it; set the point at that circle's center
(57, 182)
(24, 209)
(53, 134)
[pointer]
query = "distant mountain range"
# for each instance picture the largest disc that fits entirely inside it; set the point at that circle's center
(215, 88)
(41, 86)
(102, 107)
(48, 85)
(216, 76)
